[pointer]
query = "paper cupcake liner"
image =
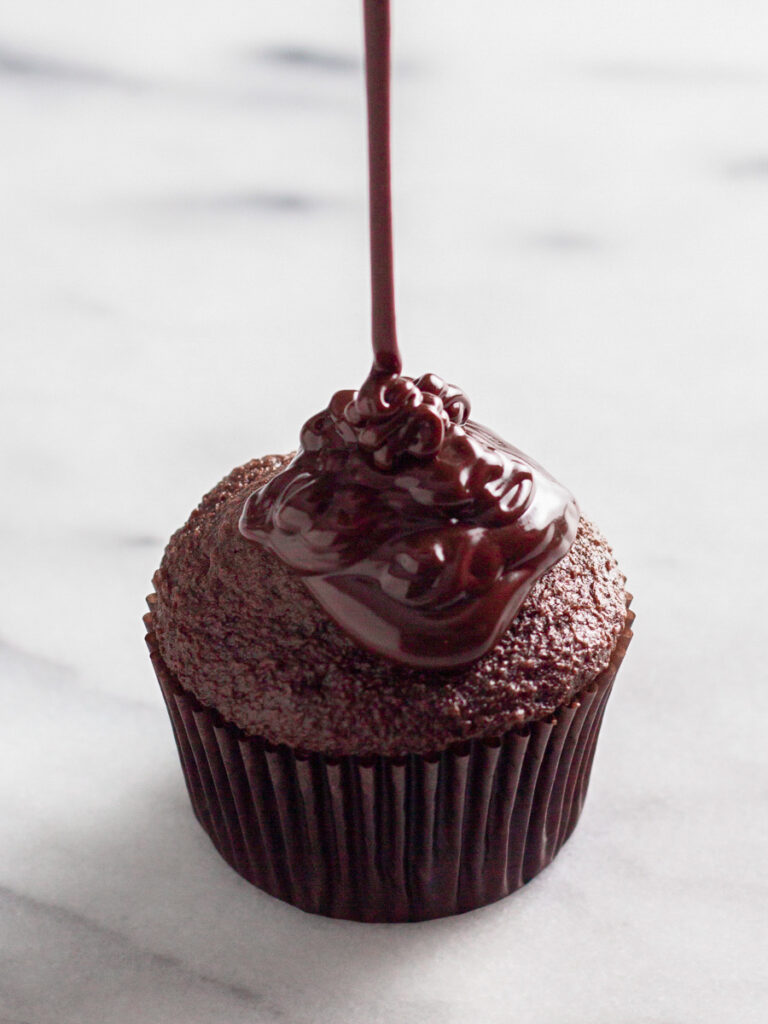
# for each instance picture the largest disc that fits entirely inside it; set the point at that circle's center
(389, 838)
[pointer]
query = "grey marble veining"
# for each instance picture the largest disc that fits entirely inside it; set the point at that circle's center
(582, 206)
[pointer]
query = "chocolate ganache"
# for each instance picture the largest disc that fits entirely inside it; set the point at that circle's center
(419, 531)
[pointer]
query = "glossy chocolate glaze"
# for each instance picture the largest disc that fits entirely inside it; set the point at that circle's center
(418, 531)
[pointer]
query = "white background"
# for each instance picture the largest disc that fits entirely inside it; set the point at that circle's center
(581, 200)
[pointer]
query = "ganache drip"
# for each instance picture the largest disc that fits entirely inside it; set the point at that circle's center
(419, 531)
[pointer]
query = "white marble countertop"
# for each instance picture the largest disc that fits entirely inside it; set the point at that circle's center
(582, 228)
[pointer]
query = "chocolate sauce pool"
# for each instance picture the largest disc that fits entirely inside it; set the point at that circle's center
(419, 531)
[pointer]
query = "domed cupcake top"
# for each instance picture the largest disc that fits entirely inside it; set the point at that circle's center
(419, 531)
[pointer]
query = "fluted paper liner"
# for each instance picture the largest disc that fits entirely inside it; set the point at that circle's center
(389, 838)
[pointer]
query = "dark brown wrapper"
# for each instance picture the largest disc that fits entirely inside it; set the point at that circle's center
(389, 838)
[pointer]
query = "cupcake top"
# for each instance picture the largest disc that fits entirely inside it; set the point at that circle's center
(241, 630)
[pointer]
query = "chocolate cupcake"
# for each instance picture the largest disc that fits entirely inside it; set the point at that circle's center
(347, 782)
(386, 657)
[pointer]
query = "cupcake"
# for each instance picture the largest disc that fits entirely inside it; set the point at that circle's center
(333, 769)
(386, 656)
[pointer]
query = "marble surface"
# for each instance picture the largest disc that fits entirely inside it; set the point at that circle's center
(582, 221)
